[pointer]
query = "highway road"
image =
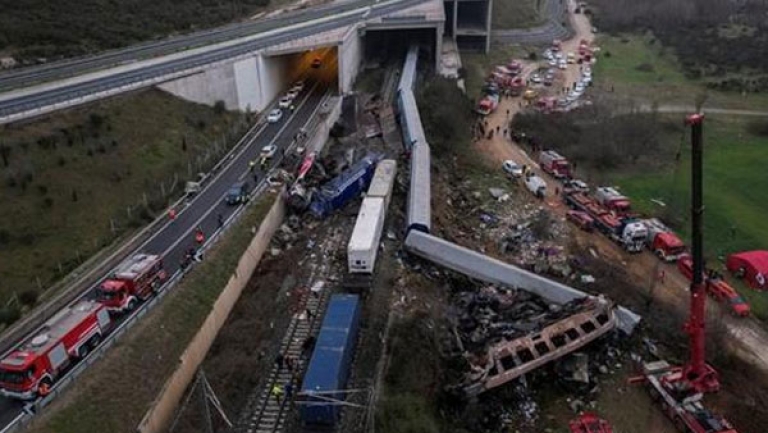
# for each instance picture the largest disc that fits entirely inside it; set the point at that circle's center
(57, 70)
(71, 90)
(177, 236)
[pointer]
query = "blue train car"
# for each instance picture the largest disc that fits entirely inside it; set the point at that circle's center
(328, 370)
(346, 186)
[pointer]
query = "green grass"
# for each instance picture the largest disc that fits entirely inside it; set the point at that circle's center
(735, 185)
(69, 175)
(665, 83)
(478, 66)
(516, 14)
(125, 382)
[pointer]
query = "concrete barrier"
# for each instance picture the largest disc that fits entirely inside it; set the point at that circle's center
(158, 417)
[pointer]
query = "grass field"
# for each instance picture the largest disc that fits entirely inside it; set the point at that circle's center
(70, 179)
(138, 366)
(632, 65)
(735, 185)
(517, 14)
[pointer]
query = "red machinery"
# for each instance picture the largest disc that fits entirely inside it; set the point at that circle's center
(34, 367)
(135, 280)
(589, 423)
(679, 390)
(716, 286)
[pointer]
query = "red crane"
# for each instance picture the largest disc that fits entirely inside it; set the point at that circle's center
(679, 390)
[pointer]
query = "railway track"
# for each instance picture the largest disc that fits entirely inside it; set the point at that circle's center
(263, 413)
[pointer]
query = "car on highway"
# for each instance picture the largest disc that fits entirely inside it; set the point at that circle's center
(275, 115)
(316, 63)
(293, 93)
(237, 194)
(268, 151)
(512, 168)
(298, 86)
(285, 102)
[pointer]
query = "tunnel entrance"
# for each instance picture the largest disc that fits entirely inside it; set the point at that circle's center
(383, 47)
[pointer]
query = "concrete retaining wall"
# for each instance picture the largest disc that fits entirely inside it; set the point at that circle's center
(160, 414)
(217, 84)
(350, 58)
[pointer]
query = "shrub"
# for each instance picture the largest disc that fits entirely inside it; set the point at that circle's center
(9, 314)
(28, 297)
(645, 67)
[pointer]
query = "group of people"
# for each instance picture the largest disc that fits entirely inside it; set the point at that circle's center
(285, 392)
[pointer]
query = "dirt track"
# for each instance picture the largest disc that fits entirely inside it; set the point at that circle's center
(750, 338)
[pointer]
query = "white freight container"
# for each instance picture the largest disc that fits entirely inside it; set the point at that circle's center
(364, 243)
(383, 180)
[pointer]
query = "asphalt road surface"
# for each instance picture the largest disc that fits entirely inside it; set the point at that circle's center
(67, 68)
(73, 91)
(177, 236)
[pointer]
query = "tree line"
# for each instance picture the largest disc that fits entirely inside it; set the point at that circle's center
(721, 41)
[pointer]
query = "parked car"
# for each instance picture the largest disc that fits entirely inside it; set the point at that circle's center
(535, 78)
(576, 185)
(237, 194)
(581, 219)
(275, 115)
(268, 151)
(552, 62)
(298, 86)
(512, 168)
(562, 64)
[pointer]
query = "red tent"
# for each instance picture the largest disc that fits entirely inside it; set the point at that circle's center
(752, 266)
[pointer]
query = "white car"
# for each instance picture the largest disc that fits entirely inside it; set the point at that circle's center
(275, 115)
(562, 64)
(577, 185)
(268, 151)
(293, 93)
(548, 54)
(512, 168)
(535, 78)
(552, 62)
(559, 55)
(298, 86)
(587, 70)
(579, 88)
(285, 102)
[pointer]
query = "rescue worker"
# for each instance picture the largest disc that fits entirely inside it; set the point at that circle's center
(220, 219)
(277, 391)
(251, 164)
(292, 108)
(199, 236)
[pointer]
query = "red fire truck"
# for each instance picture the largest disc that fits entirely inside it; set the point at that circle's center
(31, 369)
(134, 281)
(554, 164)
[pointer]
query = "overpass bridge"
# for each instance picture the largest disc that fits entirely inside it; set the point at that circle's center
(246, 66)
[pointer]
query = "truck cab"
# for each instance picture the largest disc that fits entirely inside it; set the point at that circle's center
(554, 164)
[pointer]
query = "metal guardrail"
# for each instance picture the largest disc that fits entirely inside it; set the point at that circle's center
(33, 408)
(89, 272)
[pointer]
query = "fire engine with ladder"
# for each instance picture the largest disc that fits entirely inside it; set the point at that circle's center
(32, 369)
(679, 389)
